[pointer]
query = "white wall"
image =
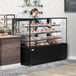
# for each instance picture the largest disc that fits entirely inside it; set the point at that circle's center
(72, 34)
(52, 8)
(10, 6)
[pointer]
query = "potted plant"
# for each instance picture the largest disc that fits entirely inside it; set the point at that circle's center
(6, 30)
(35, 2)
(25, 3)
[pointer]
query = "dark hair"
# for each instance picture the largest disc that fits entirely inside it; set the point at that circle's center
(33, 10)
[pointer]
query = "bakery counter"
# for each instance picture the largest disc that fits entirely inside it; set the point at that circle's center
(9, 50)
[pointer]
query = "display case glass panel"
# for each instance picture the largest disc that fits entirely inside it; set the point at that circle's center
(41, 31)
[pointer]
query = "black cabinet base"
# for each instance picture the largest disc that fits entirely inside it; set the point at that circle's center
(43, 54)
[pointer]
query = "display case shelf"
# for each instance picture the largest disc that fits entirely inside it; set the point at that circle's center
(5, 19)
(33, 33)
(42, 32)
(40, 25)
(33, 40)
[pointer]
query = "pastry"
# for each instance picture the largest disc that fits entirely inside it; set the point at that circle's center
(23, 24)
(54, 22)
(53, 41)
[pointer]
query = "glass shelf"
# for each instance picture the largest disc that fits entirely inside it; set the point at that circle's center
(39, 25)
(33, 40)
(41, 32)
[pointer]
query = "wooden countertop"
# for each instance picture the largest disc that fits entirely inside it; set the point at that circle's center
(9, 36)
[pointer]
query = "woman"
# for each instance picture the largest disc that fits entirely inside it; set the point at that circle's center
(34, 14)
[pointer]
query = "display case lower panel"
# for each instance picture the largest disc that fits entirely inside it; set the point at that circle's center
(43, 54)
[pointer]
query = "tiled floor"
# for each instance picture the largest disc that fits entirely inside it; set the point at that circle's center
(66, 70)
(59, 68)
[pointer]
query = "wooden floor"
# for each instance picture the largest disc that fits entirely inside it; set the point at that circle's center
(66, 70)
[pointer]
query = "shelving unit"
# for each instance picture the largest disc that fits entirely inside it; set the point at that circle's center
(26, 7)
(42, 39)
(26, 10)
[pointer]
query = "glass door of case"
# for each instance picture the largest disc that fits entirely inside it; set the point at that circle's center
(41, 31)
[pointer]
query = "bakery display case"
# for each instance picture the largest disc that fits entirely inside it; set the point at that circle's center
(6, 23)
(42, 39)
(2, 21)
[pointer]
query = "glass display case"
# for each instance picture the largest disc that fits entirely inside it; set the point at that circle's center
(2, 21)
(42, 33)
(6, 23)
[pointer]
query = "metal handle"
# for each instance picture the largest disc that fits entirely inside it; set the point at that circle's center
(32, 50)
